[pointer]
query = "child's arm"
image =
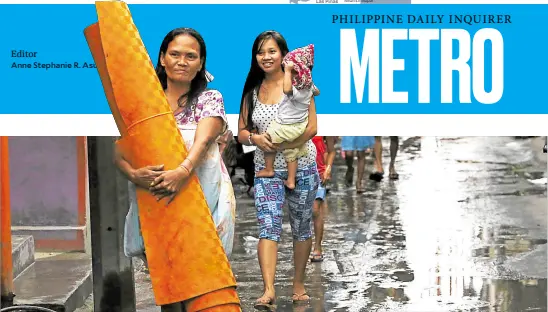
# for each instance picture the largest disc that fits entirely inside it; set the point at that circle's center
(288, 77)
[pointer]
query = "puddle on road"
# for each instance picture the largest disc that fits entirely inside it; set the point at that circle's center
(459, 294)
(401, 291)
(505, 241)
(378, 294)
(533, 175)
(397, 288)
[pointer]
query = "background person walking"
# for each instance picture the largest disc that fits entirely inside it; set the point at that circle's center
(378, 175)
(325, 147)
(358, 145)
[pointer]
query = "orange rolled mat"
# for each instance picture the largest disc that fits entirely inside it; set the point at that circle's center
(186, 259)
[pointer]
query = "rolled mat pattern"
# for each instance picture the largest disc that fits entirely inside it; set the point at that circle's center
(185, 255)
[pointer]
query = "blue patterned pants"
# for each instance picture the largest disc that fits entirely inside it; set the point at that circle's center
(270, 196)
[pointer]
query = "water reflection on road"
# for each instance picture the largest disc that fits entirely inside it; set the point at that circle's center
(462, 230)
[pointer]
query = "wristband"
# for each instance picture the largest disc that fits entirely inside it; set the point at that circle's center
(190, 161)
(184, 167)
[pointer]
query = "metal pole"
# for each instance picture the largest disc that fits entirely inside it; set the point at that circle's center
(113, 283)
(5, 227)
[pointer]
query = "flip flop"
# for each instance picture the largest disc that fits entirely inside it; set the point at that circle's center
(377, 176)
(316, 257)
(393, 176)
(297, 298)
(265, 306)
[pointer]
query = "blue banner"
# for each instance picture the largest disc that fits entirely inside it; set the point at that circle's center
(483, 59)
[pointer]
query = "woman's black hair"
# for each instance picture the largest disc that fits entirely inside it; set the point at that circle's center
(199, 83)
(256, 74)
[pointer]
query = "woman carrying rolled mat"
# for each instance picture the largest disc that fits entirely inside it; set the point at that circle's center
(201, 119)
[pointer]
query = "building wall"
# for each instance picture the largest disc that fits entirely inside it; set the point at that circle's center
(47, 187)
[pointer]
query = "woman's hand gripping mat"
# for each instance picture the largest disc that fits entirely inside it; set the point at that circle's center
(185, 255)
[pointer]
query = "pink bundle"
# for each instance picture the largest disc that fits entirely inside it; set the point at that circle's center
(303, 60)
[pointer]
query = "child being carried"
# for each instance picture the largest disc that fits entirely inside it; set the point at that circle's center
(292, 117)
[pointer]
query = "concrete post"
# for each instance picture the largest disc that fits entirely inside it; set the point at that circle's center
(113, 283)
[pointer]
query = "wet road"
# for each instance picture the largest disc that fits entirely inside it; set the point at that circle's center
(464, 229)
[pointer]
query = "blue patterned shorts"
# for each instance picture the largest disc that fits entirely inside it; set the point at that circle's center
(320, 194)
(270, 195)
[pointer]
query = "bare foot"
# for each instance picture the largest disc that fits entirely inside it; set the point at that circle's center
(266, 302)
(265, 173)
(289, 185)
